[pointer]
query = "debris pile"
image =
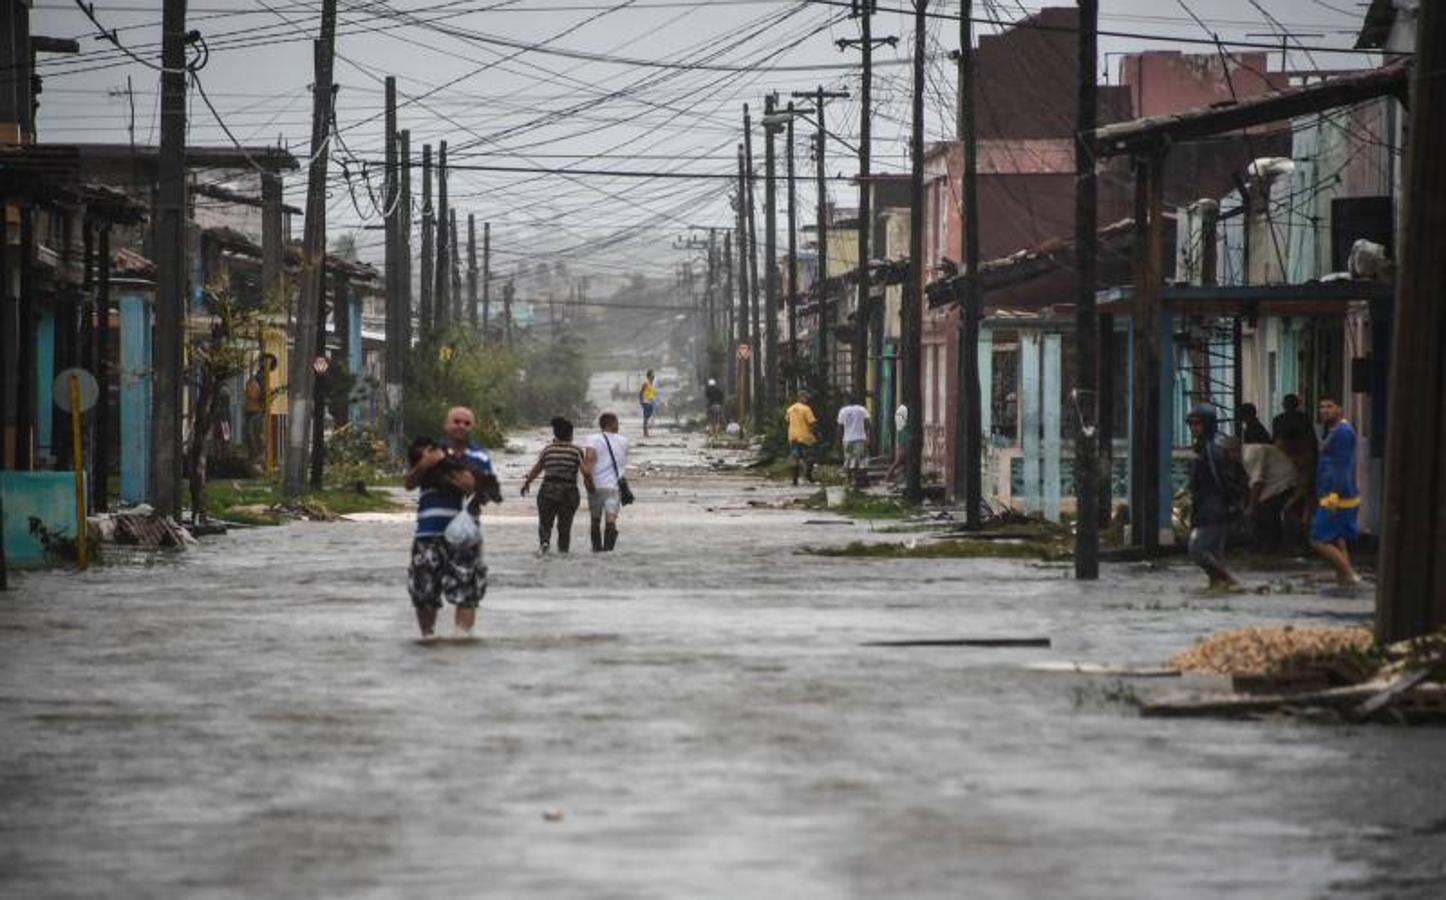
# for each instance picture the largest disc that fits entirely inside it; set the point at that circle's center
(140, 526)
(1281, 651)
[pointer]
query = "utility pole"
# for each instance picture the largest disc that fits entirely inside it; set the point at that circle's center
(170, 265)
(318, 412)
(1411, 598)
(864, 312)
(741, 334)
(912, 326)
(428, 317)
(300, 380)
(968, 439)
(395, 269)
(825, 309)
(770, 258)
(486, 277)
(441, 302)
(406, 253)
(1087, 338)
(472, 270)
(731, 357)
(455, 258)
(757, 357)
(507, 293)
(712, 297)
(792, 249)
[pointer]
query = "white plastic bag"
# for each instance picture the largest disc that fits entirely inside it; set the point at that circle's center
(462, 531)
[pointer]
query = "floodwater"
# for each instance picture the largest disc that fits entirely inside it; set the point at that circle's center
(692, 716)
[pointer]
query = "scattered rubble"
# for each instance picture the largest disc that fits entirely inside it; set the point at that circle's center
(140, 526)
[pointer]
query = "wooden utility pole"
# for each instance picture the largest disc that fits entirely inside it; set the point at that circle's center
(1411, 598)
(728, 349)
(486, 277)
(821, 292)
(792, 249)
(863, 311)
(428, 317)
(441, 299)
(170, 252)
(968, 418)
(770, 258)
(754, 327)
(472, 271)
(712, 299)
(301, 377)
(318, 410)
(741, 335)
(103, 371)
(455, 258)
(507, 293)
(1145, 414)
(394, 253)
(912, 326)
(405, 221)
(1087, 377)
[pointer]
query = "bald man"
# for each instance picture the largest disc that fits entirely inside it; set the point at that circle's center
(440, 570)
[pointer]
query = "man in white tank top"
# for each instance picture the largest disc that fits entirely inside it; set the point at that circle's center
(606, 458)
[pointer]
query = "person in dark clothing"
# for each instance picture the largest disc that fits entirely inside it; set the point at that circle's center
(1293, 424)
(1295, 435)
(714, 394)
(559, 464)
(1252, 431)
(1210, 498)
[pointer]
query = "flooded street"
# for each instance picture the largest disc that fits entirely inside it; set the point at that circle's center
(692, 716)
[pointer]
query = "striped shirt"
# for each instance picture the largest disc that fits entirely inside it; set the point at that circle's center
(560, 462)
(437, 506)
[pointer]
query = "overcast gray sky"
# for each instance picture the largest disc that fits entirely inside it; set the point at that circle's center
(568, 83)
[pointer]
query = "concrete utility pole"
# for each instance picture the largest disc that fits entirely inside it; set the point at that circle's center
(318, 410)
(301, 377)
(1411, 598)
(429, 223)
(742, 337)
(968, 419)
(770, 258)
(170, 251)
(712, 297)
(792, 250)
(864, 312)
(441, 301)
(472, 271)
(825, 308)
(754, 329)
(486, 277)
(912, 326)
(1087, 339)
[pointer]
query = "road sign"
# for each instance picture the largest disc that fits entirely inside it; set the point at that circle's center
(745, 351)
(89, 390)
(320, 365)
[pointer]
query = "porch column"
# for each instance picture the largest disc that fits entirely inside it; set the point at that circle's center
(354, 351)
(1050, 397)
(135, 396)
(1029, 417)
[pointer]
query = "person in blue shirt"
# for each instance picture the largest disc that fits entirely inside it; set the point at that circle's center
(439, 569)
(1337, 500)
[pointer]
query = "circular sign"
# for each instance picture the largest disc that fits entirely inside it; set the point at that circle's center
(89, 391)
(744, 351)
(320, 365)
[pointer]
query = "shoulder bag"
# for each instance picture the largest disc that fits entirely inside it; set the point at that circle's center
(625, 493)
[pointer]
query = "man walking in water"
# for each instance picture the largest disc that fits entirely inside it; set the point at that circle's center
(1337, 500)
(440, 570)
(606, 459)
(801, 438)
(648, 397)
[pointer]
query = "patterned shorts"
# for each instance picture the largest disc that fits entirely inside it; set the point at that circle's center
(440, 571)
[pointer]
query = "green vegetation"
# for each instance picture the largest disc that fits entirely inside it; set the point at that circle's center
(261, 503)
(531, 381)
(861, 505)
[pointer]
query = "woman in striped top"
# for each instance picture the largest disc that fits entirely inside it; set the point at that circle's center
(559, 464)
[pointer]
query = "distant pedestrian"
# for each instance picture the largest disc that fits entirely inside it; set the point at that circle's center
(801, 436)
(648, 398)
(901, 440)
(606, 461)
(713, 393)
(559, 464)
(1272, 487)
(853, 421)
(1252, 431)
(254, 408)
(1293, 423)
(1337, 500)
(1211, 498)
(447, 471)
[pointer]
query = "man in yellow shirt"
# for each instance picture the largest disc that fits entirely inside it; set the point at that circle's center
(648, 397)
(801, 438)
